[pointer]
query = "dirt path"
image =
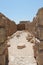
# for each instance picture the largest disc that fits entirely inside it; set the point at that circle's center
(24, 56)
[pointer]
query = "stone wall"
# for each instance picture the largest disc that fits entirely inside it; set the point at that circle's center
(10, 26)
(30, 26)
(21, 27)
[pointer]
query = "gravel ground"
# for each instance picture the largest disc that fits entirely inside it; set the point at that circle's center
(24, 56)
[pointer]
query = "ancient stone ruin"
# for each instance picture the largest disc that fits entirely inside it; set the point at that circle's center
(35, 28)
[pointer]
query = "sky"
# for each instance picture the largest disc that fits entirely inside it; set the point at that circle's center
(19, 10)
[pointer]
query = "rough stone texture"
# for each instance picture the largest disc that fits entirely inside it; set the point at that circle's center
(30, 26)
(9, 25)
(26, 23)
(21, 27)
(39, 30)
(39, 17)
(38, 21)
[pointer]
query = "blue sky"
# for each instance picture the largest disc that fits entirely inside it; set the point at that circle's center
(19, 10)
